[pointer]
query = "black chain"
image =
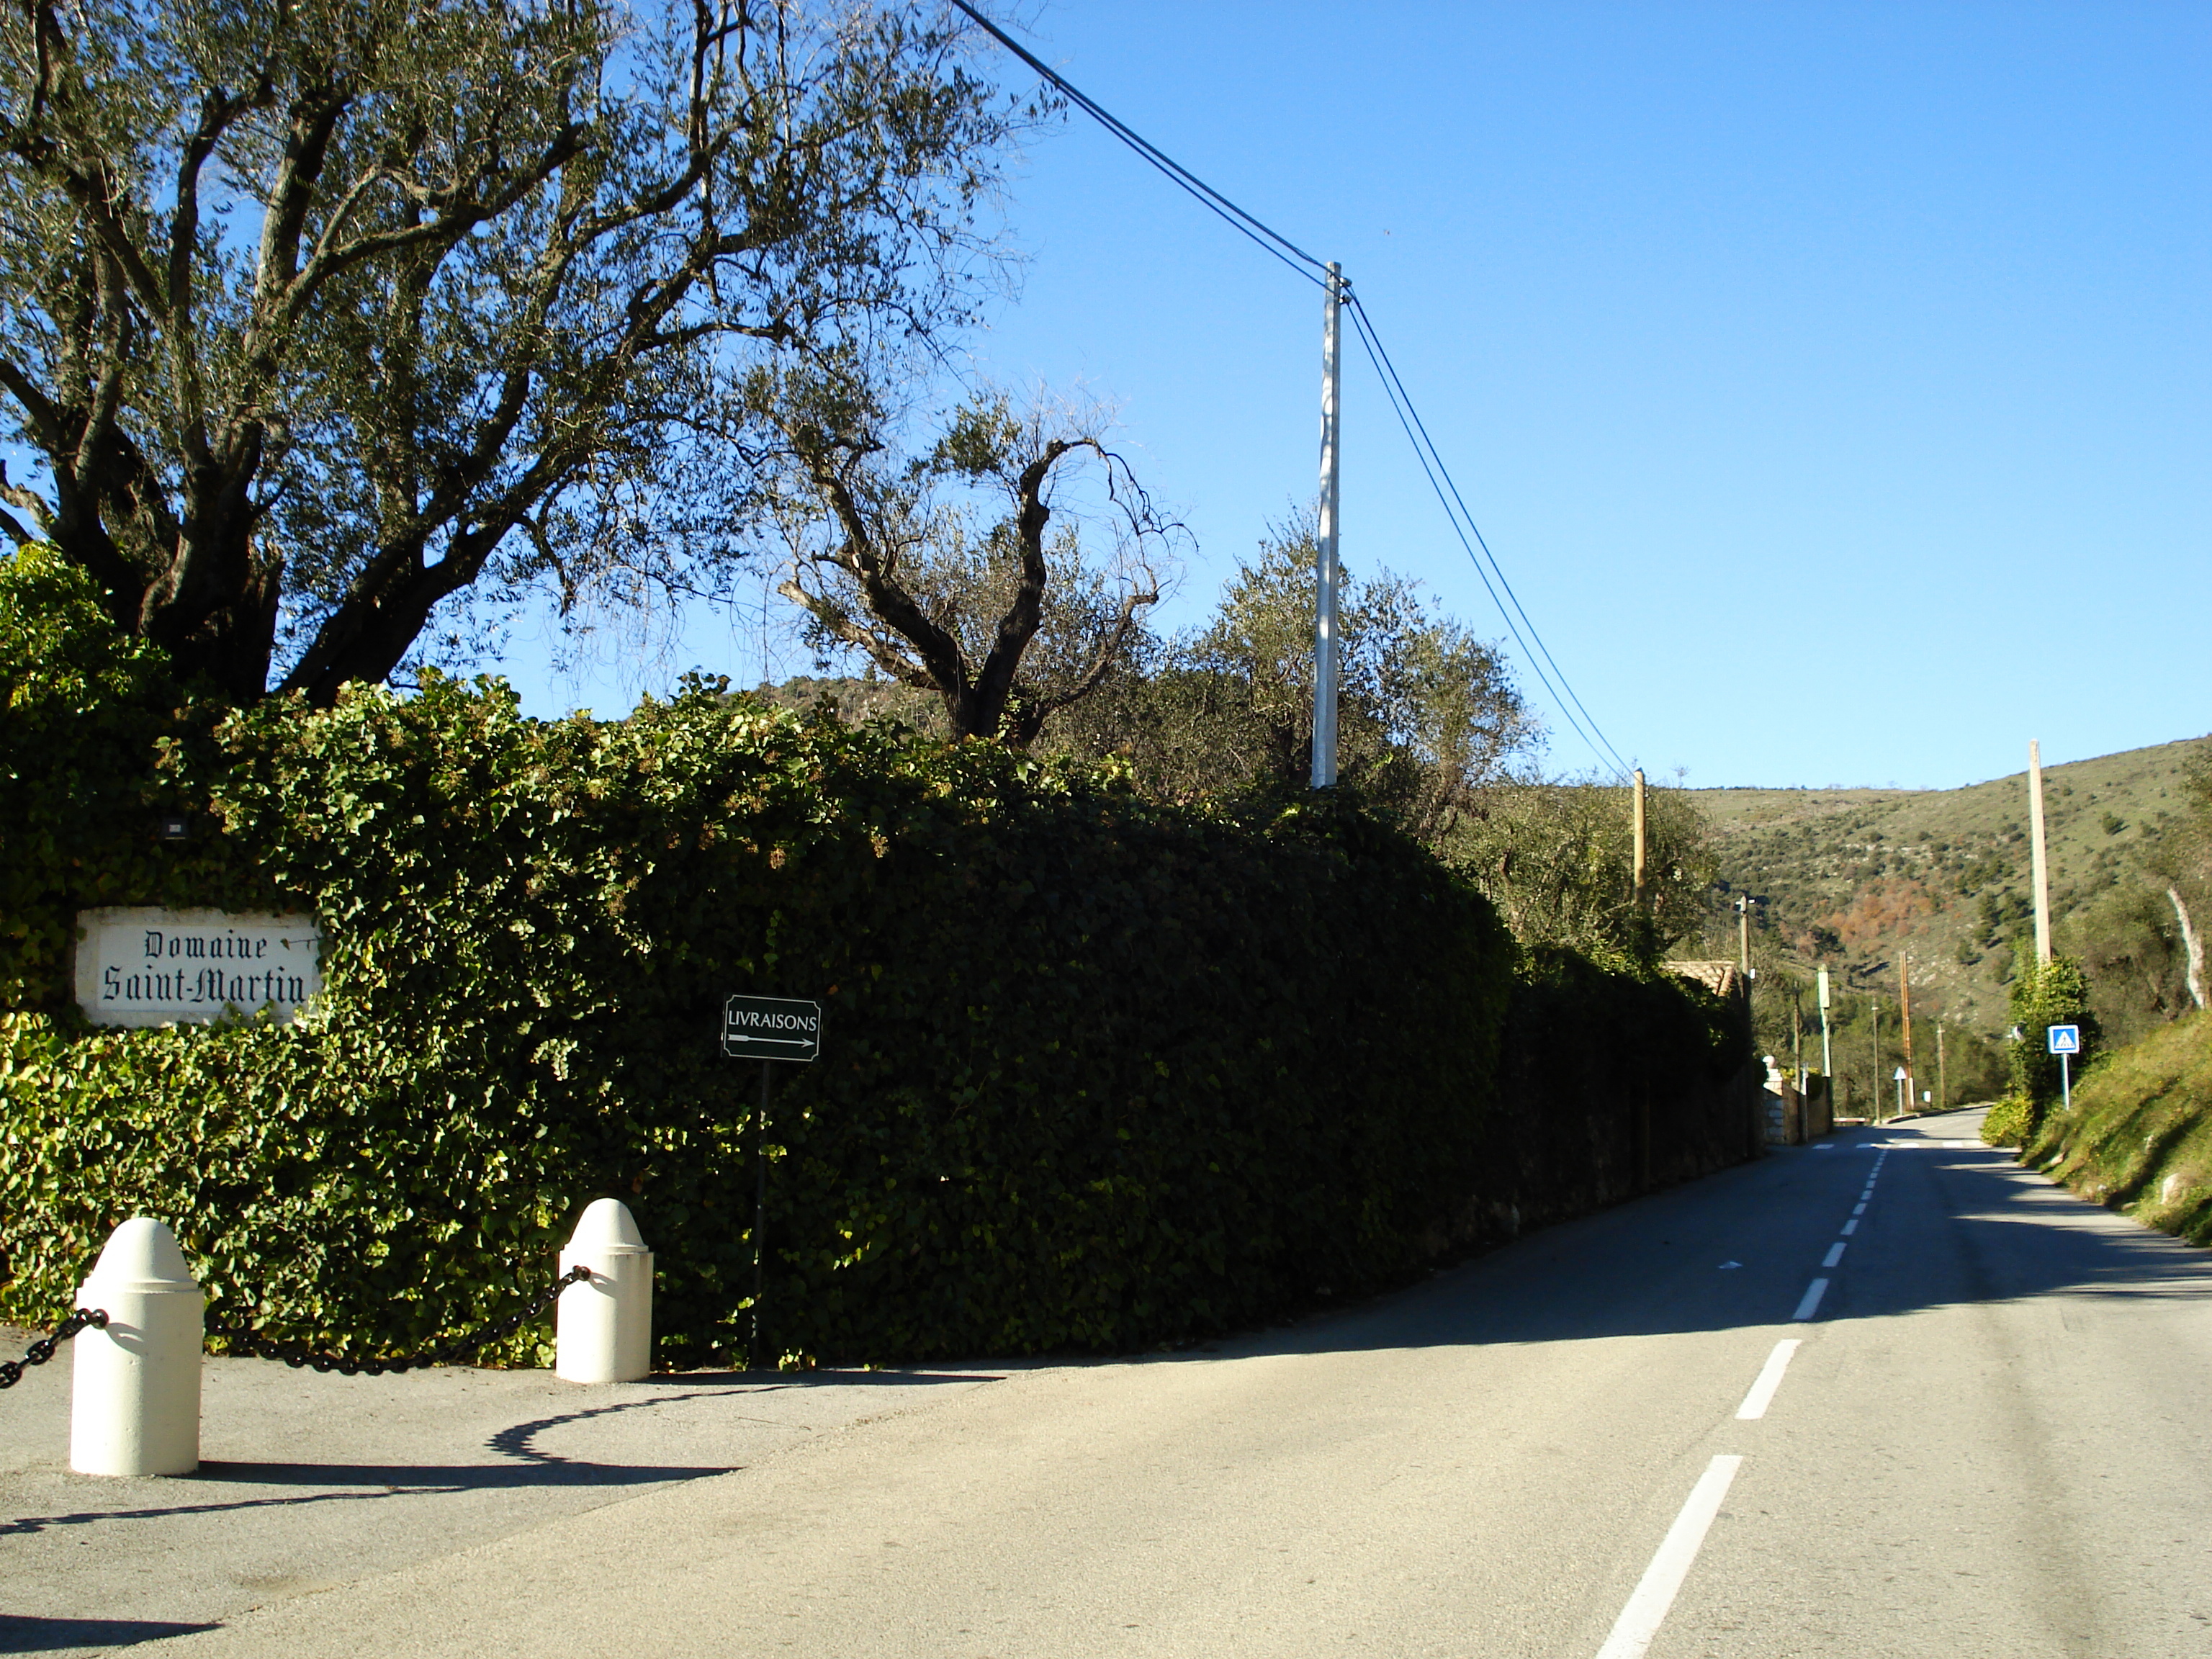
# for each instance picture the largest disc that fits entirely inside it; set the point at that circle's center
(11, 1371)
(246, 1341)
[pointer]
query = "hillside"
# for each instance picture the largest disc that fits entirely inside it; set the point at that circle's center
(2139, 1138)
(1863, 879)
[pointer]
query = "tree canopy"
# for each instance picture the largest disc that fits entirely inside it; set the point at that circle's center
(334, 323)
(1427, 711)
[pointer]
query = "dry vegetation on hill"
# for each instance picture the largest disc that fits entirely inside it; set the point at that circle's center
(1861, 880)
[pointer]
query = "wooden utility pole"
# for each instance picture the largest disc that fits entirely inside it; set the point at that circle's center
(2037, 855)
(1874, 1107)
(1639, 841)
(1325, 562)
(1796, 1035)
(1942, 1075)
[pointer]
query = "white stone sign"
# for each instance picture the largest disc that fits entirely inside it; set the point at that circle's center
(153, 967)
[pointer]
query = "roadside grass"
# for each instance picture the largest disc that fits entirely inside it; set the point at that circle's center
(2139, 1137)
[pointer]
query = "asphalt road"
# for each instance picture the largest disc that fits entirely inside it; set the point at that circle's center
(1639, 1432)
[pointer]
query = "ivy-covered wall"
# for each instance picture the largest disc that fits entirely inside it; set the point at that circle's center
(1611, 1084)
(1096, 1073)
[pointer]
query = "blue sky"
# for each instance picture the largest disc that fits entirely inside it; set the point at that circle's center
(1831, 380)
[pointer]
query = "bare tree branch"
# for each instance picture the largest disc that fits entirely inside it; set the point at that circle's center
(905, 577)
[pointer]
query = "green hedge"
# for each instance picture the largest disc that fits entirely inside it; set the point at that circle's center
(94, 731)
(1096, 1073)
(1613, 1082)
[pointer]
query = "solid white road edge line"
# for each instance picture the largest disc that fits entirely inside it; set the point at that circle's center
(1770, 1378)
(1835, 1254)
(1646, 1611)
(1813, 1292)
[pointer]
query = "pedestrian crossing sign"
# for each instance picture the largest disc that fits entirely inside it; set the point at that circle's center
(2065, 1039)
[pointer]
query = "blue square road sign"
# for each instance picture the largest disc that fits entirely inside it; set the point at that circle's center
(2065, 1039)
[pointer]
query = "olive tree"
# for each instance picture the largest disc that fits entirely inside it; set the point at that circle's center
(948, 572)
(1556, 857)
(1426, 711)
(321, 319)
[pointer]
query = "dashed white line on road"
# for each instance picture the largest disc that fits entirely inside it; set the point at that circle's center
(1646, 1611)
(1770, 1378)
(1849, 1227)
(1859, 1208)
(1813, 1292)
(1835, 1254)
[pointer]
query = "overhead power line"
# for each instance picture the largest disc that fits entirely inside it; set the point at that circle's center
(1535, 652)
(1463, 525)
(1314, 271)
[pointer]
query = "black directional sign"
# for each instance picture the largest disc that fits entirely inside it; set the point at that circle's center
(771, 1028)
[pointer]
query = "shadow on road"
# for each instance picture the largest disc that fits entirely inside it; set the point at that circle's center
(521, 1464)
(21, 1635)
(1951, 1225)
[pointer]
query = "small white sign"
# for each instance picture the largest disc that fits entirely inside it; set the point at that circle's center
(144, 966)
(2065, 1039)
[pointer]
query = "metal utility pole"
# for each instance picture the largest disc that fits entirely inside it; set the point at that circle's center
(1905, 1012)
(1325, 566)
(1743, 935)
(1942, 1074)
(2036, 852)
(1639, 841)
(1827, 1060)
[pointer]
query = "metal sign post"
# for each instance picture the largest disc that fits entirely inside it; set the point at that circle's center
(2065, 1041)
(767, 1029)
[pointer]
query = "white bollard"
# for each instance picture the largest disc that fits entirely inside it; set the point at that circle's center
(603, 1327)
(135, 1405)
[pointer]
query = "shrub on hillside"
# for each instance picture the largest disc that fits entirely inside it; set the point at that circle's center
(2008, 1122)
(2055, 993)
